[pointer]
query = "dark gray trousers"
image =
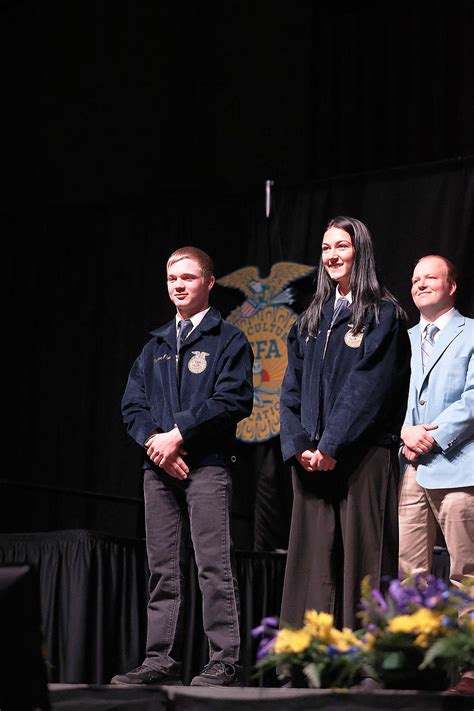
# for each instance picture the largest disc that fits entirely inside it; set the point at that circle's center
(344, 526)
(201, 505)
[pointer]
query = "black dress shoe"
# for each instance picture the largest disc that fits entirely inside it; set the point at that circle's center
(146, 675)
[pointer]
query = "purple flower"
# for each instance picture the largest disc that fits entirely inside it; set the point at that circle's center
(270, 622)
(380, 600)
(403, 595)
(268, 627)
(432, 594)
(332, 650)
(265, 647)
(375, 603)
(267, 631)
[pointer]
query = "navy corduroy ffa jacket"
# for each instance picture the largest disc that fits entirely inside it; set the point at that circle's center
(338, 393)
(205, 393)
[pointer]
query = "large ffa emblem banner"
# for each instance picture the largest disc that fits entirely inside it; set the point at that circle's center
(266, 318)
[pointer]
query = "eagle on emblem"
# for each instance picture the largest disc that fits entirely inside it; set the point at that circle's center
(272, 289)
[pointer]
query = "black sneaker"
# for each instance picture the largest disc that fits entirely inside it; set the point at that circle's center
(146, 675)
(218, 674)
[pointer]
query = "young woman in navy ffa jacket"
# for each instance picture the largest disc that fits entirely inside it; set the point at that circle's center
(343, 401)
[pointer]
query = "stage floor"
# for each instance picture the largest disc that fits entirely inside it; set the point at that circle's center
(82, 697)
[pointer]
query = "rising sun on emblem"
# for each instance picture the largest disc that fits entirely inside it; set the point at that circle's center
(266, 318)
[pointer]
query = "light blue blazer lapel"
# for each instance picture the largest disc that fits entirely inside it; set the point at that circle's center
(416, 363)
(453, 328)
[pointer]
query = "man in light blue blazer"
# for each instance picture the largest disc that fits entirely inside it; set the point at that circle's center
(438, 434)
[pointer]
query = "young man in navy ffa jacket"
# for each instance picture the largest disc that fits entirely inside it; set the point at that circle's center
(186, 392)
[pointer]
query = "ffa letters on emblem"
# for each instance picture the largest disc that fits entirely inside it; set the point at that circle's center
(198, 362)
(266, 318)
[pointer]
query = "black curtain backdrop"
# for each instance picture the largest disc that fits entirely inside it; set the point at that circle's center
(390, 84)
(105, 101)
(88, 286)
(92, 591)
(135, 127)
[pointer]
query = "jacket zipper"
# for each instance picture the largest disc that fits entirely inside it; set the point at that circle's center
(326, 344)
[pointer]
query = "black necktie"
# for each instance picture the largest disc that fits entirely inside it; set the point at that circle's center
(184, 328)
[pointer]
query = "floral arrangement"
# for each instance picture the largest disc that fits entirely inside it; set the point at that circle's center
(419, 626)
(316, 655)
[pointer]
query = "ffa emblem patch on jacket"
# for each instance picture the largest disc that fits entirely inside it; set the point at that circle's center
(198, 362)
(353, 340)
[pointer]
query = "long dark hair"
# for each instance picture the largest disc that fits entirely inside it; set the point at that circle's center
(366, 290)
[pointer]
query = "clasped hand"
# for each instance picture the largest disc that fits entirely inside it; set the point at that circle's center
(165, 450)
(314, 460)
(417, 441)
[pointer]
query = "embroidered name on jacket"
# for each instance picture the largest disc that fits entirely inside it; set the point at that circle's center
(198, 362)
(162, 357)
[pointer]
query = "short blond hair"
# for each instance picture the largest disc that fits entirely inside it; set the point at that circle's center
(198, 255)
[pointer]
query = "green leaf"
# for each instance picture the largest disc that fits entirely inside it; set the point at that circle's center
(311, 672)
(393, 660)
(449, 652)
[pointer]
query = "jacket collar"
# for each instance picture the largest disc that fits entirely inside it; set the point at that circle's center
(451, 331)
(167, 332)
(328, 311)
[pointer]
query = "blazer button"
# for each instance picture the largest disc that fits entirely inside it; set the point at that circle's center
(422, 402)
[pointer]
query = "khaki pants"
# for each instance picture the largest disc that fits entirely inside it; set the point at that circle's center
(420, 512)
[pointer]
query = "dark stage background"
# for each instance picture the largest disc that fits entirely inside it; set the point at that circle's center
(132, 128)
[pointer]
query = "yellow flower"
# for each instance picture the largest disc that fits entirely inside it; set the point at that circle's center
(422, 621)
(401, 623)
(291, 641)
(345, 640)
(367, 641)
(421, 640)
(318, 624)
